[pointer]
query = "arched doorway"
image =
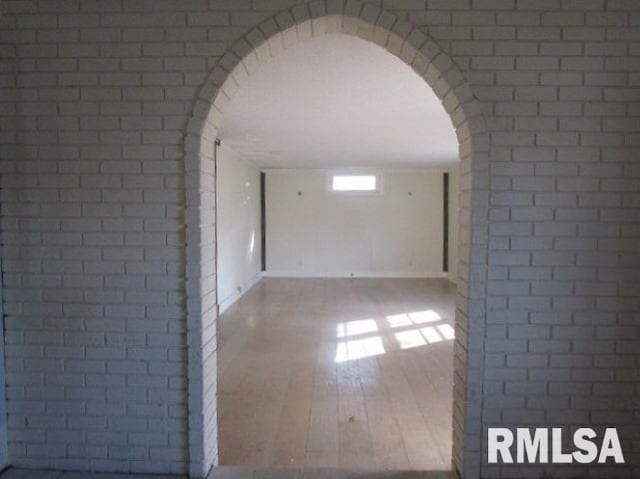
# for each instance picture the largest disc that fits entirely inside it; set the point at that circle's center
(425, 57)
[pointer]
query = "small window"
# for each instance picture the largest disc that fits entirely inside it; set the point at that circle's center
(354, 183)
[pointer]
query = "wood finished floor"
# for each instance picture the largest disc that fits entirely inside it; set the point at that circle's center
(338, 373)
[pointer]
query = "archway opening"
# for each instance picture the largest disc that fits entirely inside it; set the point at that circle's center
(230, 74)
(340, 354)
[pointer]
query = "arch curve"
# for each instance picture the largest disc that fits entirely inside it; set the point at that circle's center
(231, 71)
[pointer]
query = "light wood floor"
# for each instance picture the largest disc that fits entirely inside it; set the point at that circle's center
(346, 373)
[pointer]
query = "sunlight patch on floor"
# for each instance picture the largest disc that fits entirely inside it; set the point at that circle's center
(407, 334)
(354, 328)
(359, 348)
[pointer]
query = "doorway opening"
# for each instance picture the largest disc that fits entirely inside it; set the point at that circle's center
(340, 354)
(350, 321)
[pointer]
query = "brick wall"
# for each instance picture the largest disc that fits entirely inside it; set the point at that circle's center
(95, 100)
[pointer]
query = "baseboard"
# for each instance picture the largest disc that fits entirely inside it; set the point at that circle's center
(354, 274)
(228, 302)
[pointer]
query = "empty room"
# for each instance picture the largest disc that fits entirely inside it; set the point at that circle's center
(336, 225)
(319, 239)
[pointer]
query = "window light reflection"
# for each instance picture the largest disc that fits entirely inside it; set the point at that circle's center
(353, 328)
(421, 317)
(410, 339)
(447, 331)
(410, 332)
(398, 320)
(431, 335)
(359, 348)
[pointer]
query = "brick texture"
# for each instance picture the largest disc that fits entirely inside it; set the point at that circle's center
(95, 102)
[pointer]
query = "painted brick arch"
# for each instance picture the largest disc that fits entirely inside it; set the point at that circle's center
(256, 47)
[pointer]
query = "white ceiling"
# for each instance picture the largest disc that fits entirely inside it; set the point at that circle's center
(338, 101)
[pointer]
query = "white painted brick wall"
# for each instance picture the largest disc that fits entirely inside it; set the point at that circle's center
(95, 98)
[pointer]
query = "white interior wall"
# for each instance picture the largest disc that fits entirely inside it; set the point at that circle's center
(238, 225)
(318, 233)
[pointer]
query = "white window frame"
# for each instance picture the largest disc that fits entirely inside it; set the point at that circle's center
(379, 182)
